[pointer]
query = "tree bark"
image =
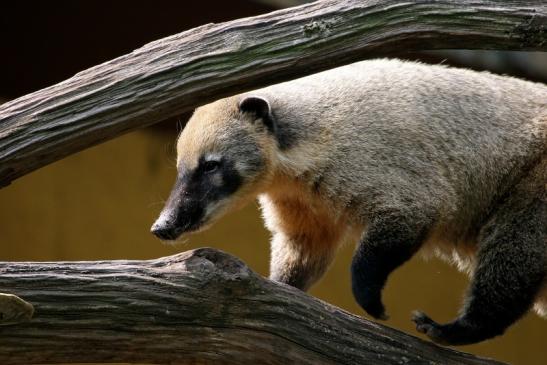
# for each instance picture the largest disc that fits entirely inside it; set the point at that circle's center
(177, 73)
(199, 306)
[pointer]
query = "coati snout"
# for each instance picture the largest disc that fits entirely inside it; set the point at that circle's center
(181, 213)
(198, 192)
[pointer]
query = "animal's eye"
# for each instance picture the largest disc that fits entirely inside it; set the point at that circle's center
(211, 166)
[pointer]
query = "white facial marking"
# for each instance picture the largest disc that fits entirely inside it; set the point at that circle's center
(213, 156)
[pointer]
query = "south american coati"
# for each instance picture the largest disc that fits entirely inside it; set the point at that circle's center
(397, 156)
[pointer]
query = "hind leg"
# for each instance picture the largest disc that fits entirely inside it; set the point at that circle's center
(510, 272)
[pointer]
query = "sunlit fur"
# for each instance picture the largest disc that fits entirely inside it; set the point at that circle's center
(380, 138)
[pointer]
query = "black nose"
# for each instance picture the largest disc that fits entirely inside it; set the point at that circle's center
(164, 232)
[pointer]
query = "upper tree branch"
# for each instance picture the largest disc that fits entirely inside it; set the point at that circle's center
(177, 73)
(202, 306)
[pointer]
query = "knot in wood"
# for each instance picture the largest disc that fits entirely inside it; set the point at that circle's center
(230, 266)
(532, 32)
(317, 28)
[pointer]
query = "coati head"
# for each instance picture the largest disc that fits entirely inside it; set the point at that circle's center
(223, 160)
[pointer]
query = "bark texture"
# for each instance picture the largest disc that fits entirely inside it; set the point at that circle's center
(177, 73)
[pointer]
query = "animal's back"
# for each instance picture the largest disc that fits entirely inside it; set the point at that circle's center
(388, 132)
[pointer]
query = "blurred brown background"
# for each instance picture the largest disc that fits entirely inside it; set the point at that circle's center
(100, 203)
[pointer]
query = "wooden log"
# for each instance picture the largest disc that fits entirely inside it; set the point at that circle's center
(202, 306)
(177, 73)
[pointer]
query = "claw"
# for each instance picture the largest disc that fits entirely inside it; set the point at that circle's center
(423, 322)
(429, 327)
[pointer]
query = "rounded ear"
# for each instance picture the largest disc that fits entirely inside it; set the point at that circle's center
(256, 105)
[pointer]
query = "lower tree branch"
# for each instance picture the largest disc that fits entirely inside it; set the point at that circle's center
(199, 306)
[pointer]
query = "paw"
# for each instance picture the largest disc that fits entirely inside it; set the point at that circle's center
(429, 327)
(14, 310)
(372, 304)
(377, 310)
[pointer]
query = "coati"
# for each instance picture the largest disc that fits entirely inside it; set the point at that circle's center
(398, 156)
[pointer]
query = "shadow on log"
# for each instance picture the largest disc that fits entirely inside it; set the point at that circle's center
(199, 306)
